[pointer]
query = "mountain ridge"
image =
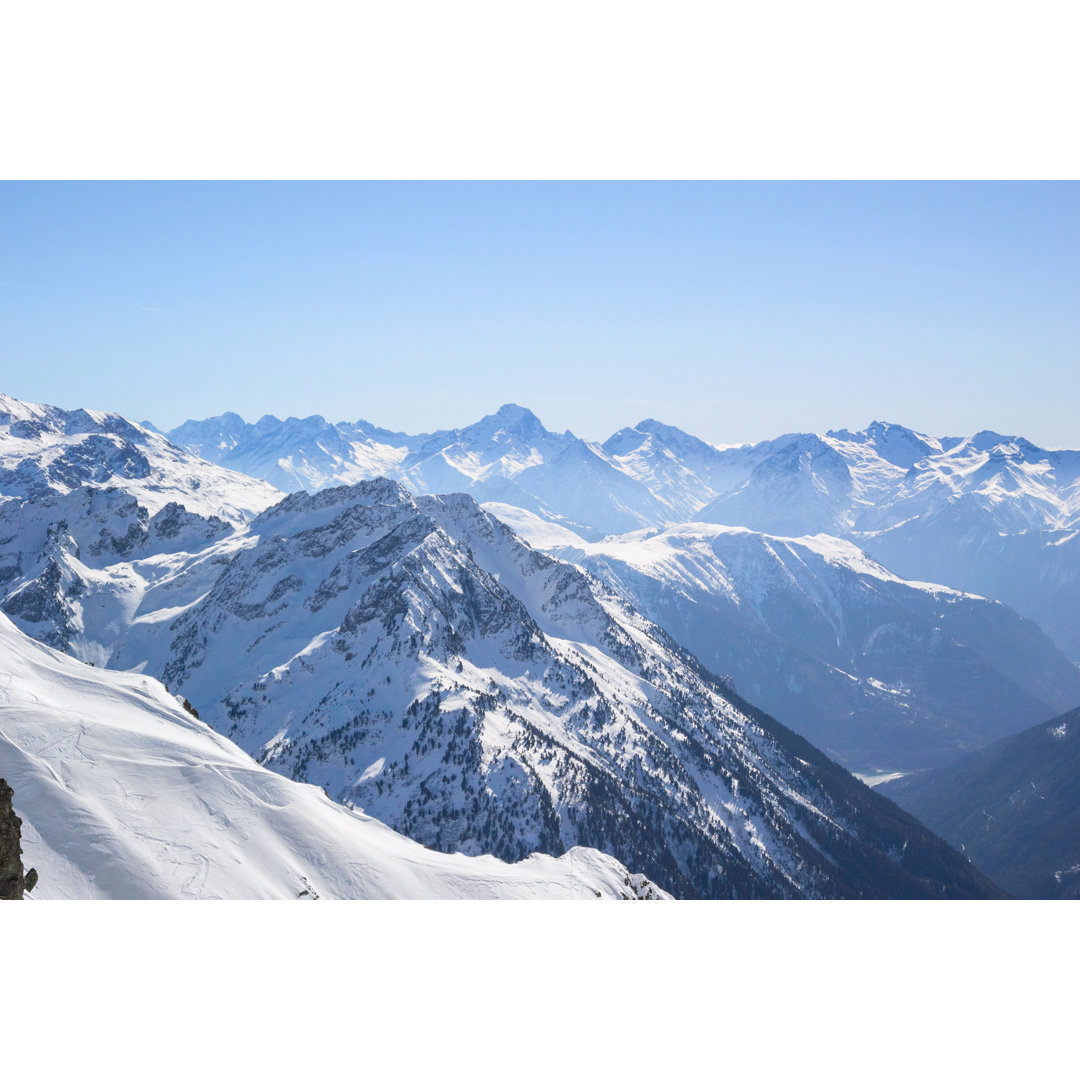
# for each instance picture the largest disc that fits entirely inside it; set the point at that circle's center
(883, 673)
(950, 509)
(410, 654)
(46, 450)
(414, 657)
(1013, 807)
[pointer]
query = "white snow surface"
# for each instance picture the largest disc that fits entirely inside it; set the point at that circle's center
(658, 551)
(125, 795)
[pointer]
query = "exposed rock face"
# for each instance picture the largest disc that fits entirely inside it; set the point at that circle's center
(13, 883)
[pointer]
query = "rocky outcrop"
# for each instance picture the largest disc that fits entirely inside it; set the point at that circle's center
(13, 883)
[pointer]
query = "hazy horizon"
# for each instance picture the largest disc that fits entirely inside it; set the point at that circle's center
(603, 436)
(736, 311)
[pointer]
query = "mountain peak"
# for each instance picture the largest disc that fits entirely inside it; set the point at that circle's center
(511, 418)
(654, 427)
(516, 414)
(881, 427)
(872, 430)
(988, 440)
(899, 445)
(381, 491)
(627, 439)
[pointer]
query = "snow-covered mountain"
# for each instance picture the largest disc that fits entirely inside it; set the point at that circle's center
(861, 483)
(683, 472)
(45, 450)
(1012, 807)
(123, 794)
(840, 483)
(882, 673)
(417, 659)
(509, 456)
(989, 514)
(296, 454)
(787, 650)
(74, 567)
(1035, 571)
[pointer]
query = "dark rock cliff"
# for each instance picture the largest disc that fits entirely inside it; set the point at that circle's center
(13, 883)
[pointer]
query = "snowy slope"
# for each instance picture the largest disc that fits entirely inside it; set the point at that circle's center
(46, 450)
(882, 673)
(1035, 571)
(125, 795)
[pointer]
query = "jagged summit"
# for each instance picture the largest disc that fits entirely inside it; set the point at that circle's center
(321, 507)
(890, 443)
(987, 440)
(875, 427)
(46, 450)
(312, 422)
(625, 440)
(514, 412)
(657, 427)
(507, 421)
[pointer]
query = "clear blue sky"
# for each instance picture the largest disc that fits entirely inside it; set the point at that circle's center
(736, 311)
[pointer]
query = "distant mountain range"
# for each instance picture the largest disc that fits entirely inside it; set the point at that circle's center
(990, 514)
(1013, 808)
(508, 455)
(887, 674)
